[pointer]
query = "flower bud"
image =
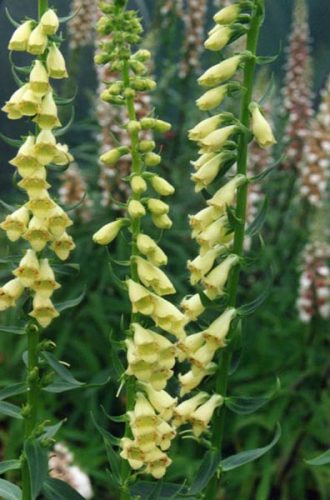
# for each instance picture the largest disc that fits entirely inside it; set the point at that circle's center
(220, 72)
(9, 293)
(152, 159)
(225, 195)
(157, 207)
(47, 117)
(146, 146)
(216, 279)
(205, 127)
(219, 38)
(138, 184)
(201, 417)
(212, 98)
(111, 157)
(217, 139)
(55, 63)
(39, 80)
(43, 310)
(261, 129)
(45, 284)
(38, 41)
(63, 246)
(133, 126)
(162, 221)
(153, 277)
(15, 224)
(108, 233)
(49, 22)
(135, 209)
(20, 37)
(228, 14)
(154, 124)
(161, 186)
(218, 330)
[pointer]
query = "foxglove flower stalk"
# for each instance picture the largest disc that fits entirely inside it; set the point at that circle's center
(222, 139)
(150, 354)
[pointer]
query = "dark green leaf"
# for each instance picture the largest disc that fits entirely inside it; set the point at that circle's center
(54, 489)
(113, 456)
(10, 410)
(37, 459)
(7, 465)
(267, 171)
(68, 18)
(59, 386)
(12, 390)
(246, 405)
(207, 470)
(60, 369)
(258, 222)
(12, 329)
(10, 208)
(63, 130)
(167, 490)
(250, 308)
(9, 491)
(52, 430)
(69, 304)
(11, 19)
(261, 60)
(15, 143)
(246, 457)
(323, 459)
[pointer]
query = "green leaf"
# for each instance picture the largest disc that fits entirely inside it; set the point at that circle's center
(323, 459)
(54, 489)
(206, 471)
(12, 330)
(12, 390)
(10, 410)
(260, 177)
(15, 143)
(61, 370)
(37, 459)
(246, 405)
(245, 457)
(167, 490)
(69, 304)
(8, 465)
(113, 456)
(11, 19)
(63, 130)
(10, 208)
(52, 430)
(255, 227)
(9, 491)
(68, 18)
(250, 308)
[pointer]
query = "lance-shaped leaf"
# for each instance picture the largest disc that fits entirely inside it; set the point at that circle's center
(69, 304)
(10, 410)
(9, 491)
(63, 130)
(250, 308)
(206, 471)
(8, 465)
(37, 459)
(247, 405)
(13, 330)
(323, 459)
(15, 23)
(255, 227)
(12, 390)
(113, 456)
(52, 430)
(61, 370)
(55, 489)
(245, 457)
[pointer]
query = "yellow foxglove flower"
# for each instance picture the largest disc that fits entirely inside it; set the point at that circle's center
(261, 129)
(153, 277)
(45, 147)
(15, 224)
(132, 453)
(47, 117)
(217, 139)
(145, 346)
(55, 63)
(159, 378)
(168, 317)
(148, 247)
(58, 221)
(217, 233)
(201, 265)
(108, 233)
(9, 293)
(192, 307)
(25, 160)
(138, 184)
(228, 14)
(166, 358)
(12, 106)
(208, 172)
(135, 209)
(220, 72)
(202, 357)
(46, 284)
(146, 442)
(226, 194)
(30, 103)
(183, 411)
(201, 417)
(212, 98)
(219, 38)
(204, 158)
(204, 218)
(28, 269)
(39, 80)
(63, 246)
(49, 22)
(190, 345)
(62, 155)
(205, 127)
(166, 434)
(162, 221)
(36, 183)
(41, 204)
(38, 41)
(217, 332)
(143, 417)
(142, 300)
(140, 369)
(157, 463)
(161, 186)
(20, 37)
(192, 379)
(162, 402)
(216, 279)
(157, 207)
(37, 234)
(43, 310)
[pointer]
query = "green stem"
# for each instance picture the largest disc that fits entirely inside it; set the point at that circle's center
(238, 246)
(42, 7)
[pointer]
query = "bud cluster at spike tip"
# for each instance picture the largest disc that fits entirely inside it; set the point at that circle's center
(217, 138)
(151, 352)
(40, 221)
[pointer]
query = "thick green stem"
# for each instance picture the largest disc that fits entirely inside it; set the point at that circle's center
(42, 7)
(225, 361)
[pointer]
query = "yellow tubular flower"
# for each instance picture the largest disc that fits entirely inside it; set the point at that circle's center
(202, 357)
(162, 221)
(204, 218)
(212, 98)
(37, 234)
(39, 80)
(153, 277)
(47, 117)
(168, 317)
(38, 41)
(157, 463)
(142, 300)
(108, 233)
(220, 72)
(149, 248)
(25, 160)
(161, 186)
(192, 307)
(16, 223)
(217, 233)
(36, 183)
(166, 434)
(63, 246)
(132, 453)
(201, 265)
(46, 284)
(41, 204)
(28, 270)
(162, 402)
(201, 417)
(219, 38)
(157, 207)
(62, 155)
(9, 293)
(49, 22)
(43, 310)
(205, 127)
(217, 139)
(261, 129)
(217, 278)
(190, 345)
(45, 147)
(30, 103)
(55, 63)
(225, 195)
(20, 37)
(183, 411)
(192, 379)
(58, 221)
(217, 332)
(228, 14)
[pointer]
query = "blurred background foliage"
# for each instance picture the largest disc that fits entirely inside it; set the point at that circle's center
(280, 339)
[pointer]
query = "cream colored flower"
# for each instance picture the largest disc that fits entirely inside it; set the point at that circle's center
(135, 209)
(193, 378)
(205, 127)
(39, 80)
(25, 160)
(161, 186)
(218, 330)
(38, 41)
(218, 233)
(63, 246)
(157, 463)
(153, 277)
(43, 310)
(15, 224)
(28, 269)
(216, 279)
(45, 147)
(162, 402)
(217, 139)
(37, 234)
(108, 233)
(132, 453)
(148, 247)
(261, 129)
(201, 417)
(157, 207)
(166, 434)
(204, 218)
(219, 38)
(49, 22)
(226, 194)
(228, 14)
(9, 293)
(220, 72)
(46, 284)
(55, 63)
(203, 356)
(35, 184)
(142, 300)
(20, 37)
(58, 221)
(41, 204)
(192, 307)
(201, 265)
(184, 410)
(47, 117)
(30, 103)
(138, 184)
(212, 98)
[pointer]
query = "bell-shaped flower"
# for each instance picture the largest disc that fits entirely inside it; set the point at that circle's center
(168, 317)
(193, 378)
(63, 246)
(190, 345)
(58, 221)
(139, 369)
(146, 344)
(226, 194)
(30, 103)
(43, 310)
(183, 411)
(39, 79)
(166, 358)
(220, 72)
(153, 277)
(149, 248)
(228, 14)
(157, 207)
(159, 377)
(201, 417)
(192, 307)
(45, 147)
(15, 224)
(211, 99)
(143, 418)
(162, 186)
(135, 209)
(62, 155)
(38, 41)
(35, 184)
(37, 234)
(25, 160)
(142, 300)
(217, 278)
(205, 127)
(56, 63)
(12, 106)
(162, 402)
(109, 232)
(28, 269)
(20, 37)
(218, 330)
(261, 129)
(166, 434)
(201, 265)
(204, 158)
(157, 463)
(219, 38)
(147, 442)
(218, 233)
(204, 218)
(9, 293)
(209, 171)
(217, 139)
(41, 205)
(132, 453)
(45, 284)
(202, 357)
(49, 22)
(47, 117)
